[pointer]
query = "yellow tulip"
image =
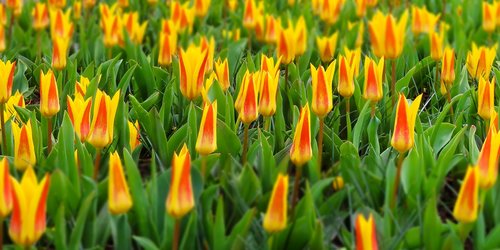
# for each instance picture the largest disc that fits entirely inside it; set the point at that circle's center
(16, 6)
(103, 120)
(119, 199)
(49, 94)
(373, 79)
(192, 68)
(273, 25)
(81, 86)
(134, 135)
(60, 24)
(466, 206)
(487, 161)
(57, 4)
(489, 16)
(330, 10)
(206, 143)
(286, 45)
(436, 44)
(300, 31)
(268, 93)
(447, 70)
(366, 233)
(6, 80)
(247, 103)
(209, 46)
(168, 43)
(134, 28)
(346, 78)
(386, 36)
(60, 46)
(16, 100)
(403, 136)
(6, 198)
(423, 21)
(40, 15)
(301, 150)
(276, 215)
(180, 198)
(480, 61)
(24, 149)
(183, 16)
(486, 98)
(326, 47)
(322, 98)
(79, 113)
(201, 7)
(222, 71)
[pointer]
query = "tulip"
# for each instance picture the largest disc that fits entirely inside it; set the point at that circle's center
(326, 47)
(267, 64)
(231, 34)
(112, 29)
(466, 206)
(201, 7)
(79, 114)
(168, 43)
(49, 95)
(107, 10)
(60, 24)
(480, 60)
(180, 198)
(489, 16)
(6, 80)
(276, 215)
(103, 120)
(192, 68)
(209, 46)
(250, 13)
(206, 142)
(28, 220)
(81, 86)
(488, 159)
(60, 52)
(16, 6)
(322, 99)
(403, 136)
(353, 58)
(346, 78)
(300, 31)
(371, 3)
(447, 70)
(387, 37)
(24, 149)
(77, 9)
(119, 199)
(3, 15)
(494, 120)
(232, 4)
(366, 233)
(134, 136)
(485, 98)
(247, 103)
(182, 16)
(373, 80)
(134, 28)
(17, 100)
(259, 28)
(40, 15)
(436, 44)
(57, 3)
(2, 39)
(273, 25)
(330, 10)
(123, 3)
(222, 71)
(301, 150)
(268, 92)
(286, 45)
(423, 21)
(360, 8)
(359, 27)
(338, 183)
(88, 4)
(6, 189)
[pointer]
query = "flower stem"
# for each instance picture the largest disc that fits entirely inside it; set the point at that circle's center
(286, 78)
(296, 184)
(245, 144)
(49, 135)
(177, 234)
(39, 45)
(448, 97)
(399, 165)
(267, 123)
(393, 83)
(250, 41)
(203, 166)
(348, 118)
(97, 163)
(2, 124)
(374, 107)
(320, 142)
(1, 232)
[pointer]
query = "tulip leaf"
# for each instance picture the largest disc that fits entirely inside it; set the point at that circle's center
(145, 243)
(77, 231)
(227, 141)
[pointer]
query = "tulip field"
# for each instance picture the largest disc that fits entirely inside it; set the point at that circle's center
(249, 124)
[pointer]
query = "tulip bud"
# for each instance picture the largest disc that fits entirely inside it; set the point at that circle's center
(447, 70)
(134, 135)
(273, 25)
(436, 44)
(247, 103)
(180, 198)
(5, 189)
(24, 154)
(268, 93)
(403, 136)
(322, 98)
(301, 150)
(373, 80)
(488, 159)
(489, 16)
(168, 43)
(182, 16)
(388, 42)
(192, 71)
(330, 10)
(486, 98)
(101, 130)
(300, 31)
(6, 80)
(326, 47)
(119, 199)
(276, 215)
(222, 71)
(480, 61)
(40, 15)
(201, 7)
(366, 233)
(286, 45)
(423, 21)
(49, 95)
(346, 78)
(207, 135)
(79, 114)
(466, 206)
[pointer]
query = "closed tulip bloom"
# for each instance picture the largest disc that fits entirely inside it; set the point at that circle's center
(268, 92)
(360, 8)
(488, 159)
(373, 80)
(423, 21)
(134, 135)
(247, 103)
(346, 78)
(88, 4)
(286, 45)
(60, 47)
(81, 86)
(57, 3)
(366, 233)
(17, 100)
(209, 46)
(222, 71)
(386, 36)
(447, 70)
(119, 199)
(16, 6)
(489, 16)
(353, 58)
(485, 98)
(5, 189)
(6, 80)
(330, 10)
(273, 25)
(403, 136)
(2, 38)
(436, 44)
(28, 221)
(250, 13)
(168, 43)
(267, 64)
(322, 98)
(135, 29)
(465, 210)
(60, 24)
(231, 34)
(101, 130)
(206, 142)
(183, 16)
(107, 10)
(49, 95)
(40, 15)
(201, 7)
(232, 4)
(77, 9)
(192, 68)
(180, 200)
(79, 114)
(259, 28)
(300, 31)
(112, 30)
(480, 61)
(24, 149)
(276, 215)
(326, 47)
(301, 150)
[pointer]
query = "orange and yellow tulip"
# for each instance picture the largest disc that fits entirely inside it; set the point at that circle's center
(436, 44)
(16, 6)
(168, 43)
(182, 16)
(57, 4)
(300, 31)
(373, 80)
(6, 79)
(77, 9)
(134, 28)
(267, 64)
(40, 15)
(2, 38)
(247, 103)
(480, 61)
(119, 199)
(259, 28)
(134, 135)
(79, 113)
(103, 120)
(329, 10)
(466, 206)
(81, 86)
(112, 30)
(201, 7)
(322, 98)
(489, 16)
(488, 159)
(359, 27)
(192, 68)
(366, 233)
(485, 98)
(24, 149)
(209, 46)
(360, 8)
(423, 21)
(60, 24)
(286, 45)
(250, 13)
(16, 100)
(403, 136)
(353, 57)
(326, 47)
(232, 4)
(206, 143)
(276, 215)
(301, 150)
(88, 4)
(222, 71)
(6, 189)
(60, 47)
(49, 95)
(273, 25)
(3, 15)
(28, 221)
(447, 70)
(180, 200)
(346, 78)
(231, 34)
(268, 92)
(387, 37)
